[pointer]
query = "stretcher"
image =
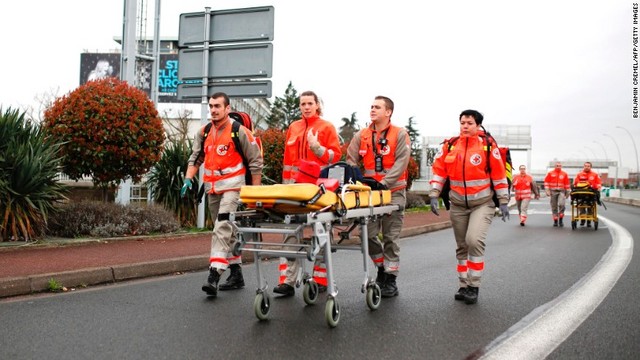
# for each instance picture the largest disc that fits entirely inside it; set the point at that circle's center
(584, 201)
(293, 208)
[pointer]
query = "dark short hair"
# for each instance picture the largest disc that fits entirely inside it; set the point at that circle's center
(221, 95)
(475, 114)
(387, 102)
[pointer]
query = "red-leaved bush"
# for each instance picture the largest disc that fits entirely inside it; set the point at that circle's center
(111, 131)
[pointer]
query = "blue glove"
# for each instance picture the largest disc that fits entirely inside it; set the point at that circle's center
(434, 205)
(185, 187)
(504, 210)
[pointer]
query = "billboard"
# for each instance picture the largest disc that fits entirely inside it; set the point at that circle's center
(98, 65)
(94, 66)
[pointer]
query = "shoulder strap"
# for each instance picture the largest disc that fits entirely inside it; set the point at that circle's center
(207, 129)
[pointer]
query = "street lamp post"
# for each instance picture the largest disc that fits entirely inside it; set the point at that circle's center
(603, 149)
(636, 151)
(595, 157)
(619, 157)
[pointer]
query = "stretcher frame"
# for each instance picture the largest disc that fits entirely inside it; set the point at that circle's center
(584, 207)
(251, 224)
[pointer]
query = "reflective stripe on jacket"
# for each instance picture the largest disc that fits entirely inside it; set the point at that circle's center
(465, 164)
(223, 166)
(296, 146)
(557, 180)
(523, 186)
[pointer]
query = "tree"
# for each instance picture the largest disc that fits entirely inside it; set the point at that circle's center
(285, 110)
(416, 147)
(349, 128)
(110, 131)
(178, 127)
(29, 190)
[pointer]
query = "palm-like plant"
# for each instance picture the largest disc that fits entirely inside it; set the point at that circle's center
(166, 180)
(29, 166)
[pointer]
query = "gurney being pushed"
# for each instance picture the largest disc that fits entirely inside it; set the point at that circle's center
(584, 201)
(289, 209)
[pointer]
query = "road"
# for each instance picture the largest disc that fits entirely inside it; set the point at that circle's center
(547, 292)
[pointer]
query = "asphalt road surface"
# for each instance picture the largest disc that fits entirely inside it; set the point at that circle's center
(547, 292)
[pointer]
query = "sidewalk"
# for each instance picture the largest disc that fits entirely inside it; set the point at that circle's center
(28, 268)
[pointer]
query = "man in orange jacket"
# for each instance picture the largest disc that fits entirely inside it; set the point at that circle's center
(525, 188)
(315, 140)
(593, 179)
(384, 150)
(556, 186)
(223, 176)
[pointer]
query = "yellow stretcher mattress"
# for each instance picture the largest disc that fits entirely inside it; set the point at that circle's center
(303, 198)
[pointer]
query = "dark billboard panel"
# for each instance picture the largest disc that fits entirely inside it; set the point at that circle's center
(98, 65)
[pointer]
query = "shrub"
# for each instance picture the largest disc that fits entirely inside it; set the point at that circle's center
(29, 190)
(110, 130)
(414, 200)
(273, 152)
(166, 180)
(99, 219)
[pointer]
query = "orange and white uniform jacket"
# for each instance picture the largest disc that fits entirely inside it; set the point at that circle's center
(557, 179)
(591, 177)
(466, 166)
(524, 187)
(223, 168)
(395, 154)
(297, 147)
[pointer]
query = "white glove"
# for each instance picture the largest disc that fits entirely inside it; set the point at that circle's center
(312, 139)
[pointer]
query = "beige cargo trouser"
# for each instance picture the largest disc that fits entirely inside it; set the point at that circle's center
(385, 251)
(223, 236)
(470, 227)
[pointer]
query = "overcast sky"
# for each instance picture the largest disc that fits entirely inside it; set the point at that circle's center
(563, 67)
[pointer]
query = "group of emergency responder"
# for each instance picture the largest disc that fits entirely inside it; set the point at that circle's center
(383, 151)
(557, 187)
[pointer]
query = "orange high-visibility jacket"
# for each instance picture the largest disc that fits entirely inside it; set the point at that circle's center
(557, 179)
(524, 187)
(466, 166)
(296, 146)
(223, 166)
(591, 177)
(395, 154)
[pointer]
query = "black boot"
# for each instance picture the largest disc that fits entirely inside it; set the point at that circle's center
(460, 294)
(561, 223)
(211, 286)
(381, 277)
(389, 287)
(235, 279)
(555, 222)
(471, 297)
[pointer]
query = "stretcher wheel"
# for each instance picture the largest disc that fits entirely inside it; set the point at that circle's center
(237, 248)
(262, 306)
(332, 312)
(373, 297)
(310, 292)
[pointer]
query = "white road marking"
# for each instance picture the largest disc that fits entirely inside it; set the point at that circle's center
(546, 327)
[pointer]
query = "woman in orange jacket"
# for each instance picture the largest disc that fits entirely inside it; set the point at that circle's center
(464, 162)
(311, 139)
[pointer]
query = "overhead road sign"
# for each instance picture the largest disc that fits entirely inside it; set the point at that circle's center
(228, 62)
(227, 26)
(241, 89)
